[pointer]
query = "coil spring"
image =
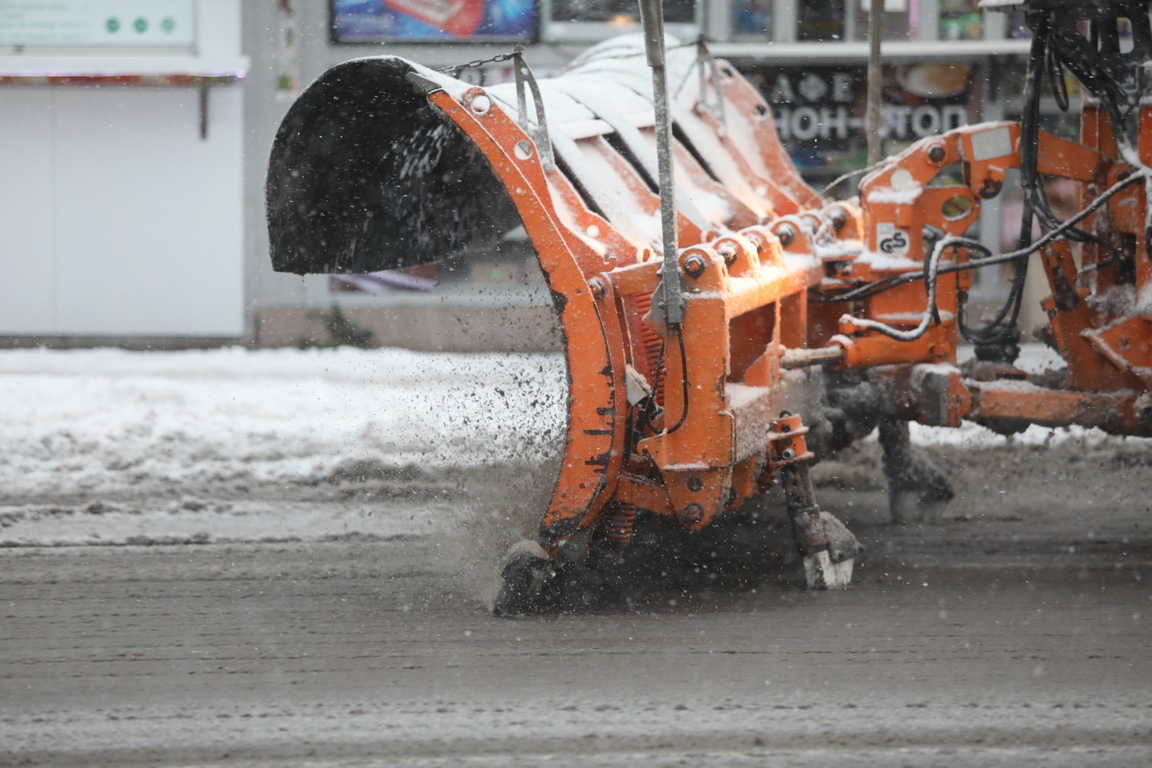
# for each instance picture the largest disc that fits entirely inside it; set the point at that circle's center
(650, 342)
(619, 522)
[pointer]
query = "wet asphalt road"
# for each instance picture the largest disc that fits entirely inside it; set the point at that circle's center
(969, 643)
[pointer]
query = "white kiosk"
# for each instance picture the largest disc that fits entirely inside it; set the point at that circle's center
(121, 169)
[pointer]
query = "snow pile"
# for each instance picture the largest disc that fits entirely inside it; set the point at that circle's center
(110, 421)
(1034, 359)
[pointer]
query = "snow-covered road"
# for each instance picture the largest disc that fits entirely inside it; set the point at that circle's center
(309, 625)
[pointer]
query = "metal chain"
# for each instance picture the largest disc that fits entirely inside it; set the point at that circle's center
(456, 69)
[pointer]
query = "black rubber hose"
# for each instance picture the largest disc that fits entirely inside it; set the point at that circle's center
(684, 378)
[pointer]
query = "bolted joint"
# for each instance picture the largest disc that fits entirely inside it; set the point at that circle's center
(691, 515)
(990, 188)
(694, 265)
(596, 286)
(481, 104)
(787, 234)
(937, 153)
(786, 443)
(728, 252)
(838, 219)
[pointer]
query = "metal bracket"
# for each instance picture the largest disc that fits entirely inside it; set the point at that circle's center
(538, 132)
(705, 65)
(786, 443)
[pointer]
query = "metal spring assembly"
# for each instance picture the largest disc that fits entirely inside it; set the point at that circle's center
(619, 522)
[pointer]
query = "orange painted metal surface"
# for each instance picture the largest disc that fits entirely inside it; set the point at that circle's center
(595, 428)
(746, 286)
(769, 267)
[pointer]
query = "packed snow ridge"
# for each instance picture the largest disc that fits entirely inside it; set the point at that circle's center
(107, 421)
(112, 421)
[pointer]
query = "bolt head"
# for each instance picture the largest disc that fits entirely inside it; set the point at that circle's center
(937, 153)
(481, 104)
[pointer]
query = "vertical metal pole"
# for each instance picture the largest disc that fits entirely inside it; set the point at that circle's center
(203, 109)
(875, 32)
(652, 17)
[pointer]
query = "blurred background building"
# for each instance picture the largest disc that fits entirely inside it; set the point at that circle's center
(135, 134)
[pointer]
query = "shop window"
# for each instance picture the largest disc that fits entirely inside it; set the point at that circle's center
(901, 19)
(752, 18)
(961, 20)
(1018, 26)
(357, 21)
(820, 20)
(820, 109)
(1124, 30)
(598, 19)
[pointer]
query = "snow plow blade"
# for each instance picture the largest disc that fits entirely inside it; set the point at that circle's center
(383, 164)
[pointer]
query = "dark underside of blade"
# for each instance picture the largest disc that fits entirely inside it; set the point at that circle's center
(365, 175)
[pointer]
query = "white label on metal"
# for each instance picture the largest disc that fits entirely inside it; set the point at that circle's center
(636, 387)
(995, 142)
(890, 240)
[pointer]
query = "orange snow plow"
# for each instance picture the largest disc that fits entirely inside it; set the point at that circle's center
(723, 329)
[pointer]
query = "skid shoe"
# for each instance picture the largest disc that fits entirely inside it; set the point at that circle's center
(829, 549)
(527, 571)
(918, 488)
(535, 583)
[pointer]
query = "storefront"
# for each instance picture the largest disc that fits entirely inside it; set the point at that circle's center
(138, 209)
(946, 66)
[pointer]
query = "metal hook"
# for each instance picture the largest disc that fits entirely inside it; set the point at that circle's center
(705, 63)
(705, 60)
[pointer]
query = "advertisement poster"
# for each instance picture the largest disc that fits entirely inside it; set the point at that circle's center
(375, 21)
